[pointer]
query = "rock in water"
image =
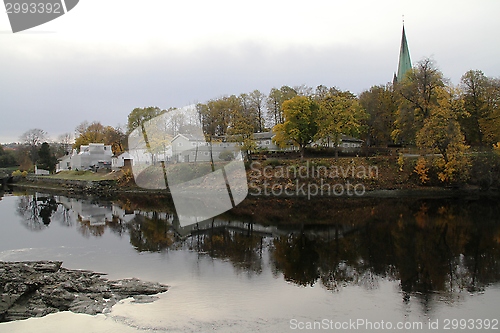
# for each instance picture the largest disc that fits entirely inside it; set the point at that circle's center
(37, 288)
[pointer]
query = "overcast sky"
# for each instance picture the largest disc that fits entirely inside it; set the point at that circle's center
(106, 57)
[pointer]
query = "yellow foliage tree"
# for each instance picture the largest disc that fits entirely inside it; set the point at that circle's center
(441, 133)
(422, 170)
(340, 113)
(301, 123)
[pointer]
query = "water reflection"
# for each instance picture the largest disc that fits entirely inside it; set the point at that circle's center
(444, 246)
(238, 243)
(37, 210)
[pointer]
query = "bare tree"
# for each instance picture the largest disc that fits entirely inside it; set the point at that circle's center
(257, 102)
(32, 139)
(66, 141)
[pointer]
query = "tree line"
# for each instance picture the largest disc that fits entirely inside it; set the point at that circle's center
(35, 148)
(424, 110)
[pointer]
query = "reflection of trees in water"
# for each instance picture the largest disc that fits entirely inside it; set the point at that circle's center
(36, 210)
(117, 226)
(87, 230)
(64, 216)
(297, 258)
(242, 247)
(150, 233)
(426, 245)
(431, 246)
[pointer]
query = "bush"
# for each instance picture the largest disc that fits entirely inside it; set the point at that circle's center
(19, 173)
(496, 148)
(422, 170)
(401, 162)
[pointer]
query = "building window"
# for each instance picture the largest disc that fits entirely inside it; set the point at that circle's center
(193, 144)
(268, 142)
(179, 144)
(206, 153)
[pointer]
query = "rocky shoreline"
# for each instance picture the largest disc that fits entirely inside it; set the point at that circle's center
(110, 190)
(38, 288)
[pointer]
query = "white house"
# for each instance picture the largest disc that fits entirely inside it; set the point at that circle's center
(118, 162)
(95, 215)
(93, 155)
(190, 148)
(265, 140)
(348, 144)
(41, 171)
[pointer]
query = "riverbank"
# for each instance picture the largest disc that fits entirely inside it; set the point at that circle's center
(38, 288)
(310, 178)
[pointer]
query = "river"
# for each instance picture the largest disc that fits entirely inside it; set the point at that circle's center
(425, 265)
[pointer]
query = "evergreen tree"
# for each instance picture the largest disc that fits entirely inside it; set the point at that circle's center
(46, 159)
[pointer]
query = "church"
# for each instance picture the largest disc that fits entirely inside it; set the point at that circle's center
(404, 64)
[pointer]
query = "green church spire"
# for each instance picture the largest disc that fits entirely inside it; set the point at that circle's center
(404, 58)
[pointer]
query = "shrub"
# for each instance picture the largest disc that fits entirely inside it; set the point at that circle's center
(496, 148)
(19, 173)
(422, 170)
(401, 162)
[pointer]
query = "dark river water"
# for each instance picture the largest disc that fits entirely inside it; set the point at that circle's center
(422, 265)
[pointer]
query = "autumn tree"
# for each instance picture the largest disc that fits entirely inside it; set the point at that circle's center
(241, 131)
(274, 103)
(417, 95)
(117, 138)
(257, 102)
(138, 116)
(216, 114)
(380, 104)
(247, 110)
(481, 95)
(95, 132)
(339, 113)
(490, 124)
(7, 158)
(475, 88)
(300, 126)
(442, 134)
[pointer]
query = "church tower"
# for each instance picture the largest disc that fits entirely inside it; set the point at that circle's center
(404, 58)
